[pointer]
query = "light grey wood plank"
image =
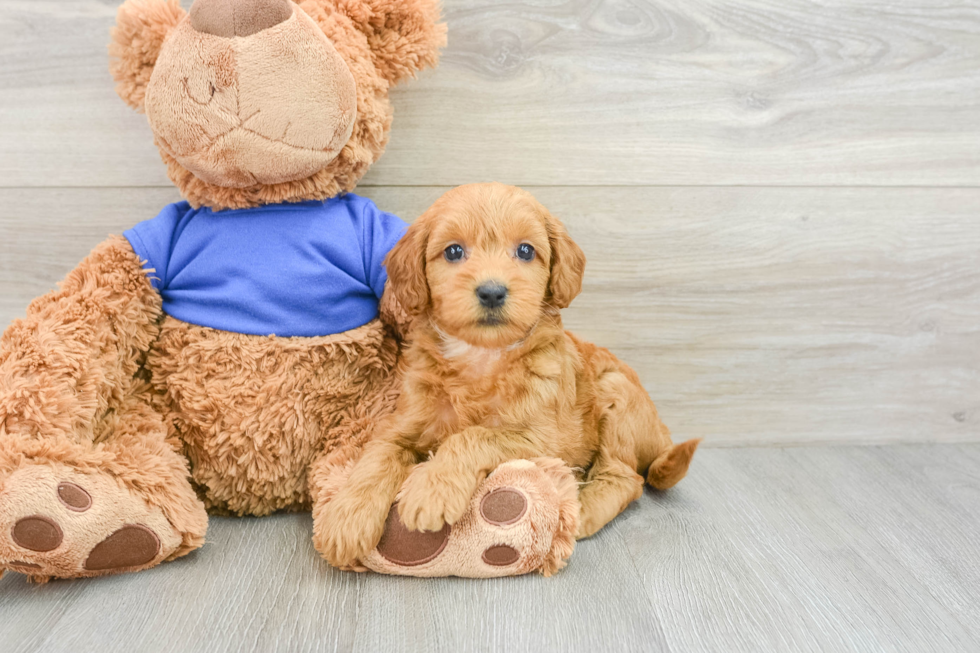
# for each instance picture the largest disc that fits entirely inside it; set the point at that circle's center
(752, 314)
(757, 551)
(44, 233)
(595, 604)
(578, 92)
(257, 585)
(800, 549)
(930, 525)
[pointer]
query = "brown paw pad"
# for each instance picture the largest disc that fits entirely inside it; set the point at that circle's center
(73, 497)
(401, 546)
(130, 546)
(501, 555)
(503, 506)
(37, 533)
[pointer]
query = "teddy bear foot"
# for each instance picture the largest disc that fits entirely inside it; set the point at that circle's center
(58, 522)
(523, 518)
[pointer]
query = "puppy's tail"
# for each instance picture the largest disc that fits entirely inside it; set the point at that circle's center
(671, 466)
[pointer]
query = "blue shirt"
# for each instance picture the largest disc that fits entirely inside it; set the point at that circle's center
(302, 269)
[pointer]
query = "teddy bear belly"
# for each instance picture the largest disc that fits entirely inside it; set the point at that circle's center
(252, 412)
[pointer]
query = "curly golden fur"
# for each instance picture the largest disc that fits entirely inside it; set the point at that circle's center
(490, 379)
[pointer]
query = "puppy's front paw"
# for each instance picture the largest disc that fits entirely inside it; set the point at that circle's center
(430, 498)
(347, 530)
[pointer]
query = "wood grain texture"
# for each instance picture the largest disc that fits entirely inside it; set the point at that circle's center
(808, 550)
(578, 92)
(812, 549)
(752, 315)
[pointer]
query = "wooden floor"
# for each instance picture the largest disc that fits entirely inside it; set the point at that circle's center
(780, 203)
(760, 549)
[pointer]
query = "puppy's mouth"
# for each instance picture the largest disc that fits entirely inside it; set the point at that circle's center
(492, 319)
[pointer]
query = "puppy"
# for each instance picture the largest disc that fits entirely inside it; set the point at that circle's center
(490, 375)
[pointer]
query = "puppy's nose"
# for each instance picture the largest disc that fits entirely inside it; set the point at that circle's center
(238, 17)
(492, 294)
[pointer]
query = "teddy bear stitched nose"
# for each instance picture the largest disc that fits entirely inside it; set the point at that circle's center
(238, 17)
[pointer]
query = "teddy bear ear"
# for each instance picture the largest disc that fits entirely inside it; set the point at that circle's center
(405, 36)
(141, 27)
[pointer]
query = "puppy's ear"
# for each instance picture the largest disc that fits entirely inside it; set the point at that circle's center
(141, 27)
(405, 264)
(567, 264)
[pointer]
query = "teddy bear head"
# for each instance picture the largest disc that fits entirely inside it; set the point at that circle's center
(260, 101)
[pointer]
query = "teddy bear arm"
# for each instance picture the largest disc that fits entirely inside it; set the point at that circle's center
(66, 363)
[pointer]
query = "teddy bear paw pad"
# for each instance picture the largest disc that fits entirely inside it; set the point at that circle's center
(37, 533)
(503, 506)
(130, 546)
(57, 522)
(506, 531)
(501, 555)
(74, 497)
(401, 546)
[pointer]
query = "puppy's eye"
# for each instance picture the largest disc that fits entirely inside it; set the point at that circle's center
(525, 252)
(453, 252)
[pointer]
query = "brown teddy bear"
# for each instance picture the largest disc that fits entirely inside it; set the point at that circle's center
(233, 353)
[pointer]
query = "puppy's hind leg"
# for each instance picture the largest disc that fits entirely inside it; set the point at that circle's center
(632, 441)
(610, 486)
(632, 428)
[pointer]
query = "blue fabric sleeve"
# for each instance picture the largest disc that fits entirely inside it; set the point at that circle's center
(380, 232)
(152, 240)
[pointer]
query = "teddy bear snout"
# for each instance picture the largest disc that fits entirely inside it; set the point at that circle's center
(239, 111)
(230, 18)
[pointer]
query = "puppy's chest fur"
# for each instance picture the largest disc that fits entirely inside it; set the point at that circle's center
(477, 387)
(534, 389)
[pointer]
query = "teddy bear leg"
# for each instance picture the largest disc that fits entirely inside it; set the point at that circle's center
(522, 518)
(71, 509)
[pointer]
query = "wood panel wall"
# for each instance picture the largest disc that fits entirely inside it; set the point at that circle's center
(780, 201)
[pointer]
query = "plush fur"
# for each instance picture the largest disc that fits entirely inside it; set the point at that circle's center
(380, 41)
(222, 112)
(72, 397)
(156, 420)
(485, 381)
(269, 406)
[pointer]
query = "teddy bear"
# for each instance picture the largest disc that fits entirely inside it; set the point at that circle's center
(232, 354)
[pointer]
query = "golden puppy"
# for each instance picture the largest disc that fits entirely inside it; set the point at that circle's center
(490, 375)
